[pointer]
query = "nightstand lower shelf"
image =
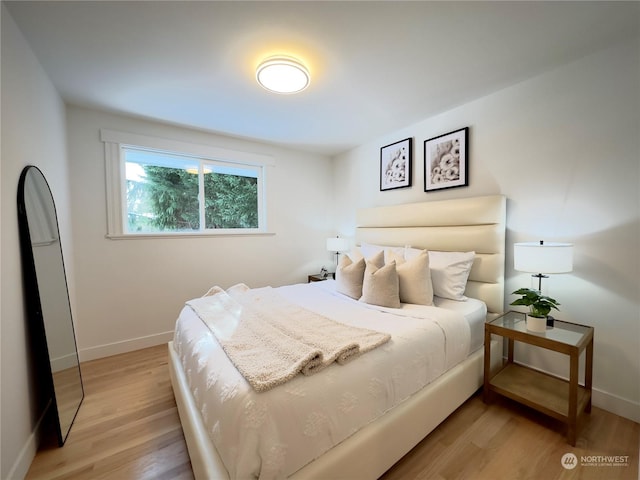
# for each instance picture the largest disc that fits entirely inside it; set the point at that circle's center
(538, 390)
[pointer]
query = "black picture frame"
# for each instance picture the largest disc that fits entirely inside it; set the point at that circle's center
(446, 160)
(396, 161)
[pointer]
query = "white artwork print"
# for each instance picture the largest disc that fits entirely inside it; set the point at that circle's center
(445, 164)
(396, 171)
(395, 165)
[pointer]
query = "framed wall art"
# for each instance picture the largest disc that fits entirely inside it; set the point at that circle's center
(446, 160)
(395, 165)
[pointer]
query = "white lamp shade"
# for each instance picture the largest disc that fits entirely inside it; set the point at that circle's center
(337, 244)
(535, 257)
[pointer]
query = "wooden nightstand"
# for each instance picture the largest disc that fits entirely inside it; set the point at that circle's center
(553, 396)
(316, 277)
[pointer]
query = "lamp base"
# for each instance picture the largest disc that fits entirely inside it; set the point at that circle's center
(536, 281)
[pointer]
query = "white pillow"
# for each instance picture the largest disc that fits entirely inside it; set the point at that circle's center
(380, 285)
(450, 272)
(368, 250)
(349, 277)
(414, 279)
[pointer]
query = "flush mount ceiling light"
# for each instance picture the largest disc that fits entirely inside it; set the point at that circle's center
(283, 75)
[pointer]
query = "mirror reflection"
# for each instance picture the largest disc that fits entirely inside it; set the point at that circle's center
(48, 298)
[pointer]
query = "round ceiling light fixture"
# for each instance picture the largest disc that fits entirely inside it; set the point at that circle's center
(282, 74)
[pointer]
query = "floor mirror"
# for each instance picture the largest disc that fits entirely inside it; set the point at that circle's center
(53, 342)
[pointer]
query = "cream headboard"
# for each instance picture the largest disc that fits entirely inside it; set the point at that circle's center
(460, 225)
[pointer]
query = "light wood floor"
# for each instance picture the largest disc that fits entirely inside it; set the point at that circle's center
(128, 428)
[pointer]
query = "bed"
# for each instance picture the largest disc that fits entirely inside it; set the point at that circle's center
(460, 225)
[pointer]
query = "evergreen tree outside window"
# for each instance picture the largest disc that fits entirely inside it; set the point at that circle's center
(231, 199)
(173, 193)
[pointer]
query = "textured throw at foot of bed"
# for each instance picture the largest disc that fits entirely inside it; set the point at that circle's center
(271, 340)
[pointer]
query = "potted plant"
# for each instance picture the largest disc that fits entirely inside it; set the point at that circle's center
(539, 307)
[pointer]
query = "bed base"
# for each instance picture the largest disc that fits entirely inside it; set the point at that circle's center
(368, 453)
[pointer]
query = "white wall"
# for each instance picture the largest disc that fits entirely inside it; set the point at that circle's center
(130, 292)
(564, 148)
(33, 132)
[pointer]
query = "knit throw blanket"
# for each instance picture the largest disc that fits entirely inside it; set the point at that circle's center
(271, 340)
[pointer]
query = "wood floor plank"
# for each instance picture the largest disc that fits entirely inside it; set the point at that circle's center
(128, 429)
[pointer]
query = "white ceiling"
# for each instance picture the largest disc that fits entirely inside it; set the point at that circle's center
(376, 66)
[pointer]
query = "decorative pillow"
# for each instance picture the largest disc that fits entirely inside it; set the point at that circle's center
(377, 259)
(414, 279)
(380, 285)
(368, 250)
(450, 272)
(349, 277)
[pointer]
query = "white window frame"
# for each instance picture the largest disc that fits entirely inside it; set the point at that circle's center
(114, 144)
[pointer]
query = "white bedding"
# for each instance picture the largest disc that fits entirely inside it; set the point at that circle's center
(475, 313)
(275, 433)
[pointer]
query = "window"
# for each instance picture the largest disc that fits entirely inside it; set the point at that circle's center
(192, 191)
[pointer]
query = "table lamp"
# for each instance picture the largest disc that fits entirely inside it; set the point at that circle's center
(542, 258)
(337, 244)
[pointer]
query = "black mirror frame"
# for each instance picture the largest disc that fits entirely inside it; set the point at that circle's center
(37, 332)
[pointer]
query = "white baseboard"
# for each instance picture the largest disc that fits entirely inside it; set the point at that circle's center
(26, 456)
(124, 346)
(618, 405)
(28, 452)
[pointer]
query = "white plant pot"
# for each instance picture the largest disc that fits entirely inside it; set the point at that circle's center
(536, 324)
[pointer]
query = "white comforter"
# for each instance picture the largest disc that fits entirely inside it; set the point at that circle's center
(273, 434)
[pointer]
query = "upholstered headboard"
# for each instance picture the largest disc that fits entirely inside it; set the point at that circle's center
(460, 225)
